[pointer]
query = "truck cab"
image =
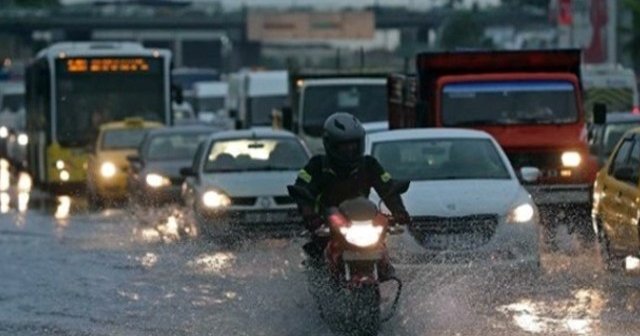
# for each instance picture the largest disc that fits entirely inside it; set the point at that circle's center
(254, 95)
(530, 101)
(316, 96)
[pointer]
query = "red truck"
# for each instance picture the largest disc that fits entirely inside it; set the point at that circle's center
(530, 101)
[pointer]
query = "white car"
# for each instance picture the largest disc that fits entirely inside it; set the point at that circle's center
(238, 181)
(465, 199)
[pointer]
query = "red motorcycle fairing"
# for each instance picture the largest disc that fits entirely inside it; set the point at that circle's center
(355, 266)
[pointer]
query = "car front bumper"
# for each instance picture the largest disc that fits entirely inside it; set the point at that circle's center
(168, 194)
(509, 242)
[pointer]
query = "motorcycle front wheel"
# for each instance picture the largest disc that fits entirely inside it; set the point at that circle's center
(365, 311)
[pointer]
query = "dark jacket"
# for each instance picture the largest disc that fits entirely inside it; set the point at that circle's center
(330, 188)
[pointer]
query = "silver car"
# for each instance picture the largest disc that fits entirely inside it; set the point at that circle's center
(237, 182)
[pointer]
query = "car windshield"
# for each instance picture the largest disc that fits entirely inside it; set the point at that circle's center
(367, 102)
(168, 147)
(255, 155)
(509, 103)
(614, 131)
(122, 138)
(441, 159)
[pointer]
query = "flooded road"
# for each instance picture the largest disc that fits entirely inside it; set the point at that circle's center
(67, 271)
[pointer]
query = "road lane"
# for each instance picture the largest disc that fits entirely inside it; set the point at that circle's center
(121, 272)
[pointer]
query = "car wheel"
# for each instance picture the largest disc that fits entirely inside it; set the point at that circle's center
(609, 260)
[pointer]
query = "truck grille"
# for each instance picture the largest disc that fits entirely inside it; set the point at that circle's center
(540, 160)
(454, 232)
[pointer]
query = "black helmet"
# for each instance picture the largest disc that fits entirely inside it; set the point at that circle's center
(343, 140)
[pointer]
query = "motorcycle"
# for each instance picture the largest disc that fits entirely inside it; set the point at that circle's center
(345, 282)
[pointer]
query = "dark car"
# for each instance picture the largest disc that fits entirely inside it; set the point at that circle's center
(154, 177)
(604, 137)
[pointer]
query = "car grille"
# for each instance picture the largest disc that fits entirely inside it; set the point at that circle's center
(246, 201)
(454, 232)
(283, 200)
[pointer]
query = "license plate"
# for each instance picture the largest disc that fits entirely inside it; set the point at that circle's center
(266, 217)
(361, 255)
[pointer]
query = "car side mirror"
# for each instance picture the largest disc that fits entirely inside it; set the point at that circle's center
(625, 173)
(599, 113)
(187, 172)
(529, 174)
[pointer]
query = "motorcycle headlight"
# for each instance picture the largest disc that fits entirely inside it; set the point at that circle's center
(107, 169)
(571, 159)
(157, 181)
(362, 234)
(214, 199)
(4, 132)
(521, 214)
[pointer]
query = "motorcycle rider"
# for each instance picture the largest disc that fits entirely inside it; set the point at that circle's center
(343, 173)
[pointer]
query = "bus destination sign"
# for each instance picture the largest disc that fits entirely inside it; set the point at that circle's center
(80, 65)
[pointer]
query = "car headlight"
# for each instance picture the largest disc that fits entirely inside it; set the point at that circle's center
(23, 139)
(4, 132)
(157, 181)
(571, 159)
(107, 170)
(362, 234)
(215, 199)
(522, 213)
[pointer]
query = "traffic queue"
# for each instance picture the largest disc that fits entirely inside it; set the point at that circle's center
(496, 146)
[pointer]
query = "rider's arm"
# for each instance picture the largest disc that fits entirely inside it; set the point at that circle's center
(309, 179)
(382, 183)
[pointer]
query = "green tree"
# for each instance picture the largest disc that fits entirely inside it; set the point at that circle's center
(463, 30)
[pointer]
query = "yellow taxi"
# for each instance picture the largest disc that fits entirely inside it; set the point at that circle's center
(108, 165)
(616, 203)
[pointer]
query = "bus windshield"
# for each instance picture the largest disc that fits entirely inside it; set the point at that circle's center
(509, 103)
(367, 102)
(87, 100)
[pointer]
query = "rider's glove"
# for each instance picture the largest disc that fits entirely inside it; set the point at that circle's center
(402, 218)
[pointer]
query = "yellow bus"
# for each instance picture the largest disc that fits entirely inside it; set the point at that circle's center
(74, 87)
